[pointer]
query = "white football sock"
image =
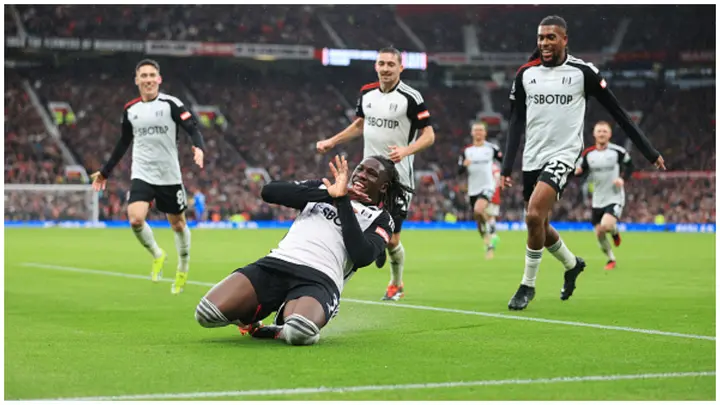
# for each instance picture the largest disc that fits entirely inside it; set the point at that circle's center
(605, 247)
(397, 263)
(182, 244)
(562, 253)
(146, 238)
(532, 265)
(491, 226)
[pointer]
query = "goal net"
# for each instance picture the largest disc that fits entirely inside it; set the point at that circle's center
(51, 202)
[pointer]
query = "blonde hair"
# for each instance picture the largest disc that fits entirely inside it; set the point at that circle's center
(603, 122)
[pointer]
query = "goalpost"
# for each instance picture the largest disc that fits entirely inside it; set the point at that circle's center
(48, 202)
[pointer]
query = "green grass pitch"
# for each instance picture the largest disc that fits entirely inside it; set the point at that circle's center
(70, 334)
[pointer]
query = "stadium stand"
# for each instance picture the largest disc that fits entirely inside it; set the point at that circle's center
(691, 27)
(592, 27)
(31, 155)
(255, 24)
(273, 118)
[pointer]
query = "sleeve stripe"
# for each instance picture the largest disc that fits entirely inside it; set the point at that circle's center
(411, 92)
(176, 101)
(383, 233)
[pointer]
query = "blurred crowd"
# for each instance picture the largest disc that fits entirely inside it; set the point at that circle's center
(233, 23)
(273, 124)
(271, 121)
(591, 27)
(31, 155)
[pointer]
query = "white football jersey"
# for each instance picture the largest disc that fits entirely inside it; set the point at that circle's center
(315, 238)
(392, 119)
(154, 126)
(604, 167)
(556, 101)
(480, 171)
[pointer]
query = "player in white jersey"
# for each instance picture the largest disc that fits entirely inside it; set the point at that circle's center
(340, 229)
(477, 161)
(549, 96)
(609, 166)
(151, 123)
(394, 121)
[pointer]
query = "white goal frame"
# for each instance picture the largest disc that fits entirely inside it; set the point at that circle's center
(92, 197)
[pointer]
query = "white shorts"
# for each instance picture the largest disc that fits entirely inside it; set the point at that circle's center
(493, 210)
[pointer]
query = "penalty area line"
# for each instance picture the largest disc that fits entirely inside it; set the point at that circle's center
(406, 306)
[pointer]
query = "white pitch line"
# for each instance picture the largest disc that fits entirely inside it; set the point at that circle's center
(361, 388)
(407, 306)
(541, 320)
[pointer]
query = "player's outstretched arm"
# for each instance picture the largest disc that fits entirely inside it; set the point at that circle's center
(611, 104)
(187, 121)
(627, 166)
(596, 86)
(295, 194)
(517, 126)
(353, 131)
(120, 148)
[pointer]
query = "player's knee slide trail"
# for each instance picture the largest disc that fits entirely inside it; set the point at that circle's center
(209, 316)
(300, 331)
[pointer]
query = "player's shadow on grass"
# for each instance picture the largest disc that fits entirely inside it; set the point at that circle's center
(250, 342)
(241, 340)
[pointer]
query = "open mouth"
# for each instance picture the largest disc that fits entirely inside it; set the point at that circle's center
(359, 185)
(547, 54)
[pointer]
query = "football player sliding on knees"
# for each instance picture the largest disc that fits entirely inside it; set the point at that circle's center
(339, 229)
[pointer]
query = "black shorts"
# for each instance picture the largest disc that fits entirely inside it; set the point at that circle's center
(276, 282)
(400, 214)
(612, 209)
(554, 173)
(486, 195)
(168, 199)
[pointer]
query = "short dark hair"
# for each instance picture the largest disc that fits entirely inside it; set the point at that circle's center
(392, 50)
(550, 20)
(147, 62)
(554, 20)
